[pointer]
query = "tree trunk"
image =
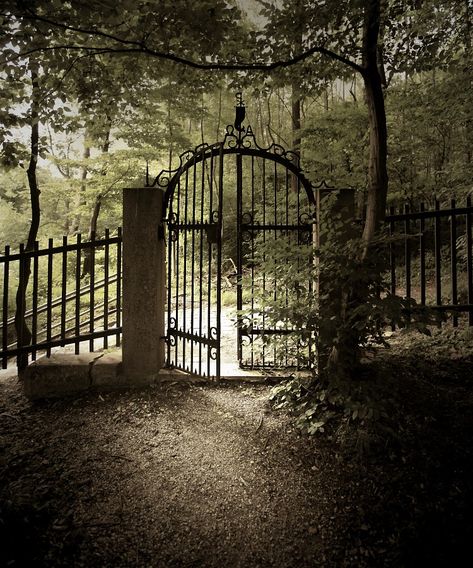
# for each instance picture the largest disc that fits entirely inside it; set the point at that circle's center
(94, 217)
(377, 167)
(296, 119)
(80, 196)
(345, 351)
(467, 72)
(23, 333)
(296, 129)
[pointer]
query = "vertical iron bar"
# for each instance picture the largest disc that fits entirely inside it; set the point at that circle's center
(77, 298)
(185, 269)
(219, 262)
(119, 285)
(6, 278)
(287, 237)
(275, 244)
(34, 318)
(209, 261)
(201, 251)
(422, 257)
(469, 261)
(453, 261)
(392, 253)
(407, 252)
(264, 260)
(49, 298)
(252, 237)
(170, 244)
(92, 290)
(194, 183)
(63, 289)
(106, 276)
(21, 306)
(176, 261)
(392, 258)
(438, 258)
(239, 197)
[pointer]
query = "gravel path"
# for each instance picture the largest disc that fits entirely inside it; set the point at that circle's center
(208, 476)
(186, 476)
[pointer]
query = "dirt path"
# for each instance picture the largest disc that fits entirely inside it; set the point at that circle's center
(193, 476)
(181, 477)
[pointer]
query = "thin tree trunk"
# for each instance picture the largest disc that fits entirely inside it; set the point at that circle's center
(80, 200)
(296, 129)
(23, 333)
(94, 217)
(296, 120)
(296, 95)
(219, 119)
(98, 200)
(467, 71)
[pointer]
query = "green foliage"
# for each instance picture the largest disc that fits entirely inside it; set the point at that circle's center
(319, 406)
(350, 315)
(355, 298)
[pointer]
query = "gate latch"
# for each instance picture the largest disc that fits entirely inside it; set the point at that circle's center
(212, 231)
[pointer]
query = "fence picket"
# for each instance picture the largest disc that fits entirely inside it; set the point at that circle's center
(438, 257)
(77, 302)
(49, 298)
(453, 262)
(6, 282)
(34, 303)
(91, 254)
(422, 257)
(469, 261)
(64, 287)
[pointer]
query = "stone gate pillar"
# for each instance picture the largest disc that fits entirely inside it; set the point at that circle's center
(144, 284)
(335, 214)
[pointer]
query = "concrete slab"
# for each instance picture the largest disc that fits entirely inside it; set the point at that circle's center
(59, 375)
(65, 374)
(106, 371)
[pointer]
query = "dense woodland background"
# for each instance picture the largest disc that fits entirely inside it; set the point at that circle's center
(94, 115)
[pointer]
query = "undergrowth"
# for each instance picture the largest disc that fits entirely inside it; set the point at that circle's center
(368, 412)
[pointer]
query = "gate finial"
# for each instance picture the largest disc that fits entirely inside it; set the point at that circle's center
(239, 112)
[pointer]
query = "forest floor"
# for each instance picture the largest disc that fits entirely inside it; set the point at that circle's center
(209, 476)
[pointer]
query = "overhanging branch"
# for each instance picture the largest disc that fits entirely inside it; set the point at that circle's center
(135, 46)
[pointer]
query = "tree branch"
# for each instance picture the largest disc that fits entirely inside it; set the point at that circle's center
(135, 46)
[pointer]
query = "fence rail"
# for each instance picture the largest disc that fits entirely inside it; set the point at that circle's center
(74, 295)
(431, 257)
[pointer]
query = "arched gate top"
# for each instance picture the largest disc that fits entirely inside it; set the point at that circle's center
(238, 140)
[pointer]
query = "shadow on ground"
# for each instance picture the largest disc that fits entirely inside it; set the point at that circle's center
(208, 476)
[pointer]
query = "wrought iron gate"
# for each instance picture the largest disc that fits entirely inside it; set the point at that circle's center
(233, 199)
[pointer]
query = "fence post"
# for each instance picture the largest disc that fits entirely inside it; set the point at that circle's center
(143, 284)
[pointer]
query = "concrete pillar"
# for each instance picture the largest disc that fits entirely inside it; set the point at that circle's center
(335, 215)
(144, 284)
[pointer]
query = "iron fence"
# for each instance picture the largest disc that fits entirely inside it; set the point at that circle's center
(74, 290)
(430, 257)
(73, 295)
